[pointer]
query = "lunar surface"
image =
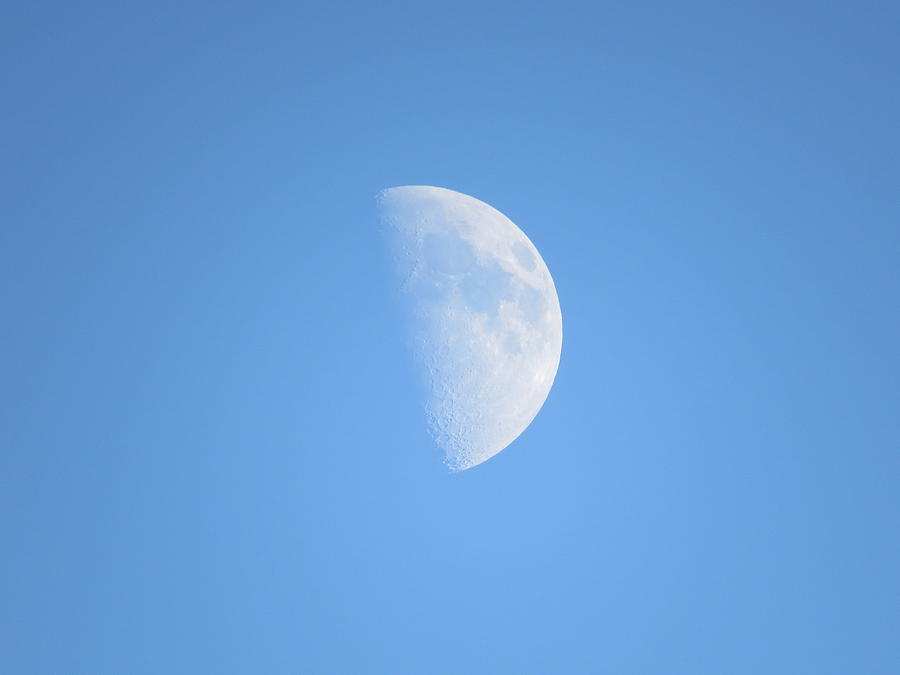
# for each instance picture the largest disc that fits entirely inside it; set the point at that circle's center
(486, 324)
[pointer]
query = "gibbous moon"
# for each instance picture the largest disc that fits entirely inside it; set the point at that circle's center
(487, 329)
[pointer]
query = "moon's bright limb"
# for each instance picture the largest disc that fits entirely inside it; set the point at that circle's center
(487, 324)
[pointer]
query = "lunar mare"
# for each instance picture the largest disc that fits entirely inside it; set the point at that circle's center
(486, 322)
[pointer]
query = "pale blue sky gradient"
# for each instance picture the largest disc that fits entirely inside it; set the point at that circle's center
(211, 453)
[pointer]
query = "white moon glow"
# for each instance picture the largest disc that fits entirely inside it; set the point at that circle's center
(486, 319)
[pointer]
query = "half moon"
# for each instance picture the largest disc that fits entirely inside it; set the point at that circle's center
(486, 322)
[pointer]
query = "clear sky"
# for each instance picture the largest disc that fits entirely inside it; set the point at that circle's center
(211, 453)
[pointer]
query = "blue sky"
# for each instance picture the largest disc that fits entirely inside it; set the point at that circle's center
(213, 458)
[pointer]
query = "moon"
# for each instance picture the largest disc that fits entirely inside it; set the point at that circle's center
(486, 323)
